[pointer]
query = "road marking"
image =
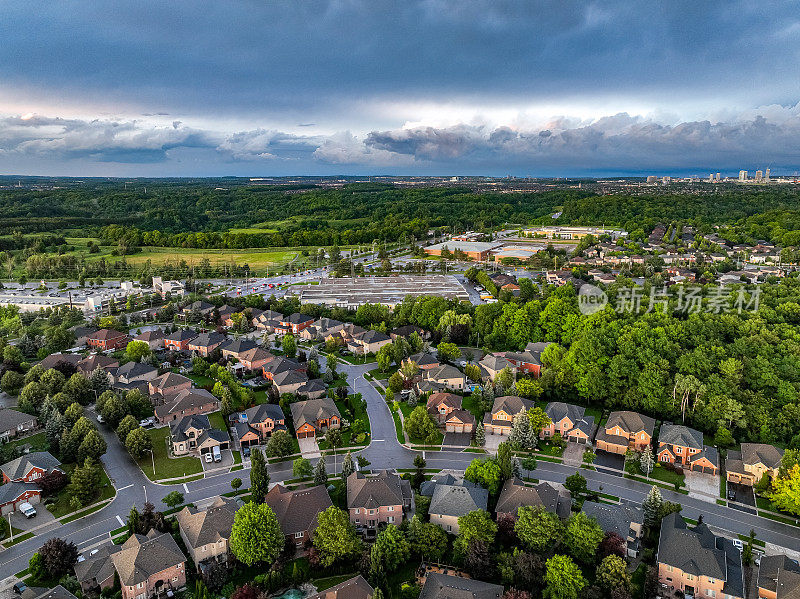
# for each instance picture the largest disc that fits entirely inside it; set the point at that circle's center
(121, 523)
(185, 488)
(378, 440)
(123, 488)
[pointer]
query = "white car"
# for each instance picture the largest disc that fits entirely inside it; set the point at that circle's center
(209, 457)
(100, 419)
(738, 544)
(27, 509)
(147, 422)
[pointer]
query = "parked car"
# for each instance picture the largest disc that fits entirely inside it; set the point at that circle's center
(147, 422)
(27, 509)
(100, 418)
(738, 544)
(209, 457)
(246, 452)
(217, 455)
(20, 587)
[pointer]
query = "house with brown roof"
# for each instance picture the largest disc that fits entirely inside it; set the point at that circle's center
(297, 510)
(625, 430)
(149, 565)
(683, 446)
(492, 364)
(446, 586)
(280, 364)
(446, 375)
(254, 358)
(206, 532)
(14, 423)
(499, 420)
(423, 360)
(353, 588)
(205, 343)
(778, 578)
(550, 496)
(53, 360)
(446, 409)
(169, 384)
(186, 403)
(94, 361)
(748, 466)
(179, 340)
(154, 339)
(107, 339)
(315, 417)
(376, 500)
(569, 421)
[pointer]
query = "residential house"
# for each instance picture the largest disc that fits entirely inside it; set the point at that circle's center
(13, 494)
(499, 420)
(625, 520)
(528, 361)
(29, 468)
(57, 592)
(294, 323)
(267, 320)
(376, 500)
(278, 365)
(625, 430)
(749, 465)
(492, 364)
(96, 571)
(206, 532)
(186, 403)
(107, 339)
(14, 424)
(312, 389)
(448, 376)
(179, 340)
(200, 307)
(446, 409)
(423, 360)
(154, 339)
(94, 361)
(255, 358)
(368, 342)
(168, 384)
(683, 446)
(569, 421)
(778, 578)
(54, 360)
(135, 372)
(82, 334)
(149, 565)
(255, 425)
(314, 417)
(297, 510)
(193, 434)
(406, 331)
(443, 478)
(224, 313)
(353, 588)
(289, 381)
(450, 502)
(698, 563)
(445, 586)
(205, 343)
(550, 496)
(234, 347)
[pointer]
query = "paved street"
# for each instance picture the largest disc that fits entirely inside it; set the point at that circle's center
(383, 452)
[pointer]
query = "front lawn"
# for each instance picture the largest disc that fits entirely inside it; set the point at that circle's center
(61, 506)
(667, 476)
(166, 467)
(547, 448)
(38, 442)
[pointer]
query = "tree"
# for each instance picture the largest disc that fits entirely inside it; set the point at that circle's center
(529, 464)
(747, 550)
(259, 477)
(236, 484)
(52, 381)
(537, 528)
(504, 378)
(420, 426)
(52, 482)
(576, 484)
(395, 382)
(652, 506)
(646, 462)
(786, 491)
(427, 540)
(408, 369)
(79, 389)
(256, 535)
(476, 525)
(583, 535)
(280, 444)
(384, 358)
(529, 388)
(390, 550)
(85, 481)
(32, 395)
(612, 544)
(173, 499)
(504, 460)
(563, 578)
(138, 442)
(93, 446)
(419, 472)
(448, 352)
(136, 350)
(478, 559)
(36, 567)
(335, 537)
(520, 436)
(348, 466)
(485, 473)
(126, 425)
(301, 468)
(113, 410)
(58, 556)
(612, 573)
(100, 380)
(480, 435)
(473, 372)
(320, 473)
(289, 345)
(11, 382)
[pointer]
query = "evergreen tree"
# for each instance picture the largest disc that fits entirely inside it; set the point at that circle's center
(412, 399)
(259, 477)
(348, 466)
(100, 380)
(646, 462)
(516, 467)
(652, 506)
(480, 435)
(320, 473)
(520, 436)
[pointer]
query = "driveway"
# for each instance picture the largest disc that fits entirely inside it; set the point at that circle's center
(227, 461)
(493, 442)
(609, 460)
(42, 519)
(573, 454)
(309, 448)
(458, 439)
(703, 486)
(744, 495)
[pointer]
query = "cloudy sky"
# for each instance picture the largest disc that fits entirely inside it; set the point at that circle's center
(495, 87)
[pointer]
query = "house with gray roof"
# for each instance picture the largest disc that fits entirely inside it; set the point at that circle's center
(492, 364)
(683, 446)
(778, 577)
(516, 494)
(186, 403)
(297, 510)
(14, 423)
(569, 421)
(498, 421)
(194, 434)
(445, 586)
(443, 478)
(697, 562)
(450, 502)
(57, 592)
(315, 417)
(752, 463)
(135, 372)
(280, 365)
(625, 520)
(206, 532)
(96, 572)
(447, 375)
(205, 343)
(379, 499)
(149, 565)
(256, 424)
(29, 468)
(353, 588)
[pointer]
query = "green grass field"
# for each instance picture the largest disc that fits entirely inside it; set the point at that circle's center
(166, 467)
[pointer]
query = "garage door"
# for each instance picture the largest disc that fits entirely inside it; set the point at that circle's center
(450, 428)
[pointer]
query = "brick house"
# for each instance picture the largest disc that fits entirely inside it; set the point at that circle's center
(778, 578)
(205, 343)
(96, 572)
(13, 423)
(492, 365)
(233, 348)
(624, 430)
(255, 425)
(749, 465)
(295, 323)
(29, 468)
(297, 510)
(278, 365)
(13, 494)
(376, 500)
(149, 565)
(697, 562)
(499, 420)
(169, 384)
(206, 532)
(154, 339)
(94, 361)
(683, 446)
(423, 360)
(107, 339)
(193, 434)
(446, 409)
(186, 403)
(315, 416)
(179, 340)
(255, 358)
(569, 421)
(550, 496)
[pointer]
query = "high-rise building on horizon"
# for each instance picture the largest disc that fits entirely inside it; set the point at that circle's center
(766, 175)
(742, 175)
(759, 176)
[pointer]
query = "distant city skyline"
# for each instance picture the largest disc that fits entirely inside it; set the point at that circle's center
(429, 87)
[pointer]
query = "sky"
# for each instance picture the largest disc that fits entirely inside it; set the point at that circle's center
(428, 87)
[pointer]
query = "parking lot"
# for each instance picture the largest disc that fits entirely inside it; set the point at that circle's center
(352, 293)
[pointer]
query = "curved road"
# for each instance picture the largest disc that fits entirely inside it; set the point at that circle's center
(383, 452)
